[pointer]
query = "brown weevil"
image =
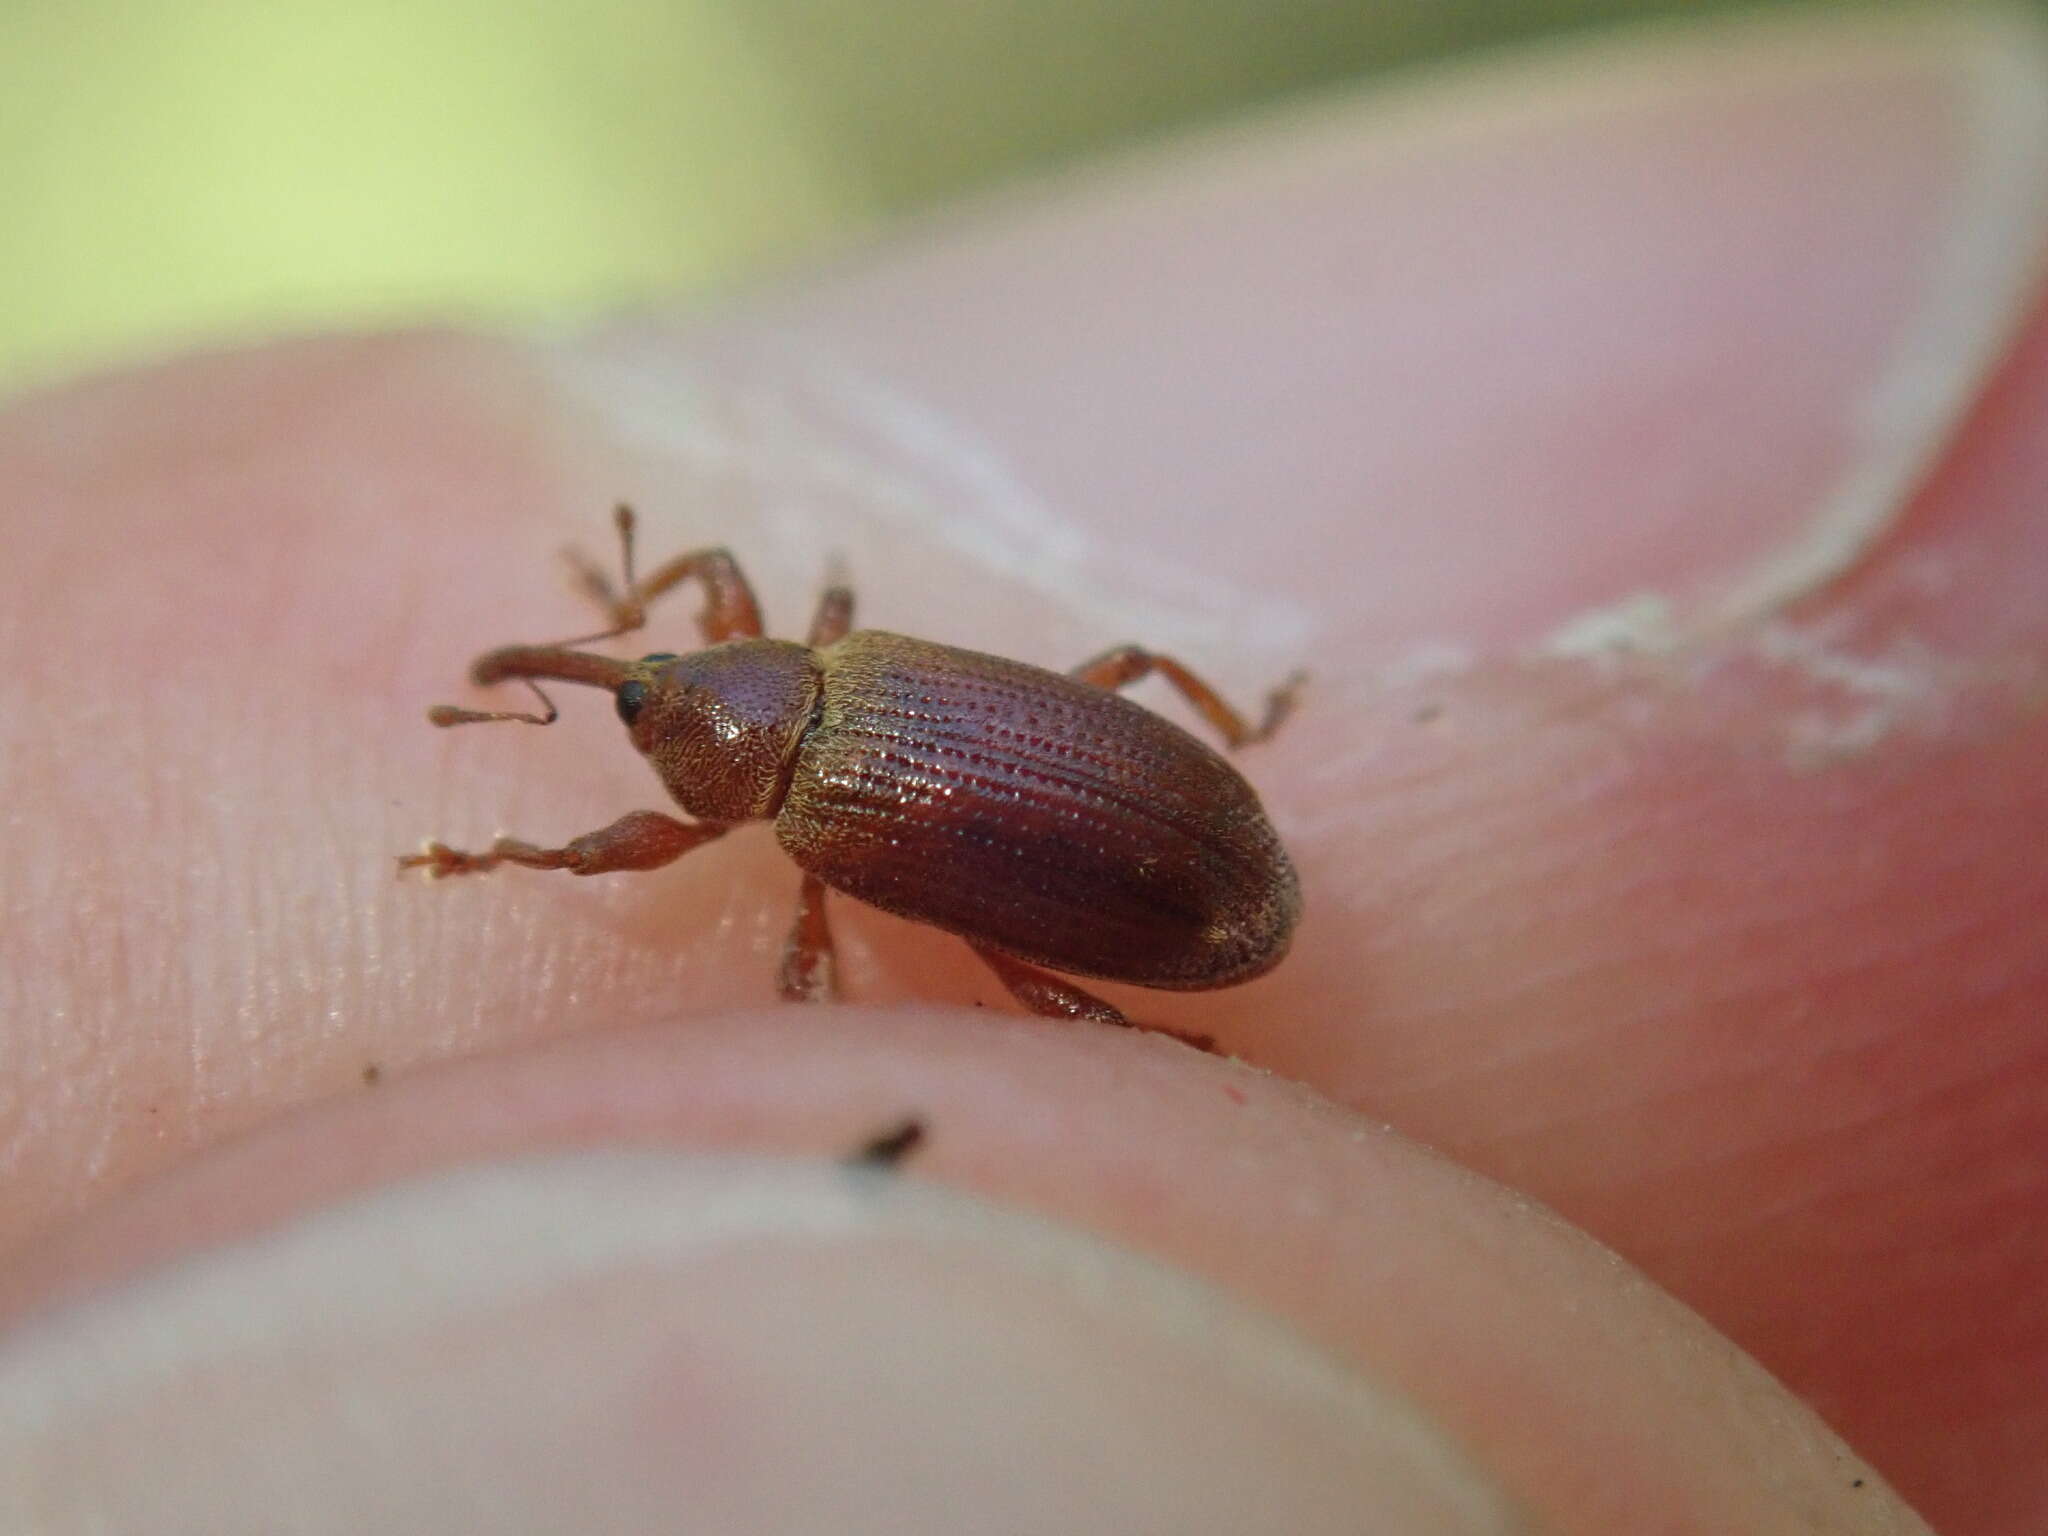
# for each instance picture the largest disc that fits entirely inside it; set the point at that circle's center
(1041, 816)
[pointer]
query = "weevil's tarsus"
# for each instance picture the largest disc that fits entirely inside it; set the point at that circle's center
(1281, 701)
(730, 611)
(809, 972)
(1125, 664)
(639, 840)
(889, 1149)
(591, 580)
(1053, 997)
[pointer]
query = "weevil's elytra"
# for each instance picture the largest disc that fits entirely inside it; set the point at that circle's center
(1095, 841)
(1040, 816)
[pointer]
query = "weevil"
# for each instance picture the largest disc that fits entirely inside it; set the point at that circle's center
(1047, 820)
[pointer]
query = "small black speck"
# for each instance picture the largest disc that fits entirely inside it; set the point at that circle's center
(372, 1075)
(1858, 1483)
(890, 1148)
(1426, 713)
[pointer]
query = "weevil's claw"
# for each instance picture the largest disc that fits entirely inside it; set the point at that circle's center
(805, 978)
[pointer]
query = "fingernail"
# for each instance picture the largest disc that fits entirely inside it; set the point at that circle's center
(649, 1342)
(1598, 343)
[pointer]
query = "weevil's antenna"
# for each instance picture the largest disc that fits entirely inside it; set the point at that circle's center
(527, 662)
(450, 714)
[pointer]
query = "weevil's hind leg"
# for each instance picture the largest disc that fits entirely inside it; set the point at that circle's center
(1050, 997)
(810, 964)
(1115, 668)
(730, 612)
(641, 840)
(835, 609)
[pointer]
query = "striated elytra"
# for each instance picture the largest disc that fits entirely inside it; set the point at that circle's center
(1040, 816)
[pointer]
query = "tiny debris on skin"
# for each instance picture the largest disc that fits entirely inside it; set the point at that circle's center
(1048, 821)
(890, 1149)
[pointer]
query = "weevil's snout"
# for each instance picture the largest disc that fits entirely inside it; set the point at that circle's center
(552, 662)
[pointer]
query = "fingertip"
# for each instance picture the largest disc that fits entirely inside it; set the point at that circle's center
(615, 1341)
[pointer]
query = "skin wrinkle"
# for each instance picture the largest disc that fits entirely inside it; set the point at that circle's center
(1812, 736)
(836, 430)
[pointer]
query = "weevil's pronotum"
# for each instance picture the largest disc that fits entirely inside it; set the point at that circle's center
(1040, 816)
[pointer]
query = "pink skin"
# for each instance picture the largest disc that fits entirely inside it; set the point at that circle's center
(1733, 955)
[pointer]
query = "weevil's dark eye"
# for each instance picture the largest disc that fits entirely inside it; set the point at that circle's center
(659, 656)
(632, 697)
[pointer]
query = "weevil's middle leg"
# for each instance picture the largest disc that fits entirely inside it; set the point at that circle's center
(1051, 997)
(730, 612)
(810, 964)
(835, 610)
(1125, 664)
(637, 841)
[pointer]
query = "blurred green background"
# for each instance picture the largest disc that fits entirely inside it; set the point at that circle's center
(207, 170)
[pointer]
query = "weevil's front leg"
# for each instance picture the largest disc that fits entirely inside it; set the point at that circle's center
(1050, 997)
(641, 840)
(810, 964)
(730, 612)
(1127, 663)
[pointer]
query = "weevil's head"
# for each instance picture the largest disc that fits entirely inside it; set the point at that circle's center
(722, 725)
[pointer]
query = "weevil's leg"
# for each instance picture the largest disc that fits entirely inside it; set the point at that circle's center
(730, 612)
(641, 840)
(810, 965)
(1127, 663)
(1047, 995)
(835, 609)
